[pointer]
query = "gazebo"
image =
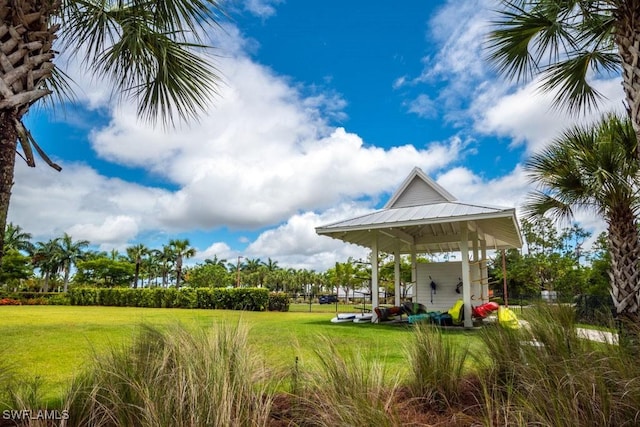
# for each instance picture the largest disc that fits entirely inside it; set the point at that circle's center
(423, 217)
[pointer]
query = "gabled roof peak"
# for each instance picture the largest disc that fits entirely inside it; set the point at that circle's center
(418, 189)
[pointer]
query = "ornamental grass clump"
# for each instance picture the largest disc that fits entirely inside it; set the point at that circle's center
(345, 388)
(546, 374)
(175, 377)
(437, 366)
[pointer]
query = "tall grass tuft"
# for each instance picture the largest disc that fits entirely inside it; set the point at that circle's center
(346, 388)
(545, 374)
(175, 377)
(437, 366)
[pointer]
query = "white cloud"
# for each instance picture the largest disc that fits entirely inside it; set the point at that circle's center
(295, 243)
(78, 200)
(527, 115)
(509, 190)
(221, 250)
(263, 153)
(262, 8)
(423, 106)
(114, 230)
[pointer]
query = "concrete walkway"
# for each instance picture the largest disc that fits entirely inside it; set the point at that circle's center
(590, 334)
(598, 336)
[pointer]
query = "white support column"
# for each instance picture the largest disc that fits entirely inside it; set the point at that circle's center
(466, 285)
(396, 275)
(475, 269)
(414, 273)
(375, 288)
(484, 273)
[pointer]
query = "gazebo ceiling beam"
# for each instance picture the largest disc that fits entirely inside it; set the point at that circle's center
(399, 234)
(450, 238)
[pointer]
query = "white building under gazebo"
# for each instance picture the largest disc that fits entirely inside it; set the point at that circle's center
(422, 217)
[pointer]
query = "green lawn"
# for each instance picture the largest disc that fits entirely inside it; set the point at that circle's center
(54, 342)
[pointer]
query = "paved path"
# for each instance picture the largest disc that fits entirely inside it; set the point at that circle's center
(599, 336)
(590, 334)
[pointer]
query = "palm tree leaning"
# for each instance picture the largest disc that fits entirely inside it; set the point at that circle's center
(147, 50)
(595, 168)
(181, 250)
(565, 42)
(16, 238)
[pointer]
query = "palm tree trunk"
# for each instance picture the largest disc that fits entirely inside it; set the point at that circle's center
(628, 42)
(45, 287)
(624, 246)
(67, 271)
(178, 271)
(8, 142)
(137, 275)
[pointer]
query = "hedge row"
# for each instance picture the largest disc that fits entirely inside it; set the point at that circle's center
(251, 299)
(33, 298)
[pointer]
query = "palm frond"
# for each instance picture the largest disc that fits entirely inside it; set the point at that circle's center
(149, 50)
(592, 168)
(568, 79)
(541, 204)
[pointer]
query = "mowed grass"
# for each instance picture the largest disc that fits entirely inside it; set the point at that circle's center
(54, 343)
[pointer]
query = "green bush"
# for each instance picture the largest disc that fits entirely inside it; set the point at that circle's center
(278, 301)
(84, 296)
(251, 299)
(59, 299)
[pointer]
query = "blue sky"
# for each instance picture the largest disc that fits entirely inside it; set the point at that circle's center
(324, 109)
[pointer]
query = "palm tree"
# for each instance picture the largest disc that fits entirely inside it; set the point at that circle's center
(565, 41)
(167, 257)
(16, 238)
(271, 265)
(69, 253)
(46, 258)
(181, 249)
(135, 254)
(147, 50)
(216, 261)
(595, 168)
(153, 266)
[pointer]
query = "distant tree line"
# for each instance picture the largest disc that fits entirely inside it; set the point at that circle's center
(553, 259)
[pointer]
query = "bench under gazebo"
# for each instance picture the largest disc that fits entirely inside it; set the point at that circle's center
(422, 217)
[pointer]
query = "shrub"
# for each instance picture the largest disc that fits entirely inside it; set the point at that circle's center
(346, 389)
(594, 384)
(84, 296)
(59, 299)
(253, 299)
(36, 301)
(436, 365)
(278, 301)
(9, 301)
(175, 377)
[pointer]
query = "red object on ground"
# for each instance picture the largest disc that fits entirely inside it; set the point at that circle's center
(484, 310)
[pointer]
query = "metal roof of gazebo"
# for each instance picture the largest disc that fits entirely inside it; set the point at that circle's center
(423, 217)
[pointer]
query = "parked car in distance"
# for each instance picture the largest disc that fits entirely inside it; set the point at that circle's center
(327, 299)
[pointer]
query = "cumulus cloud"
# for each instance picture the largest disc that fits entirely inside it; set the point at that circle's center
(221, 250)
(263, 153)
(296, 244)
(114, 229)
(82, 202)
(527, 116)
